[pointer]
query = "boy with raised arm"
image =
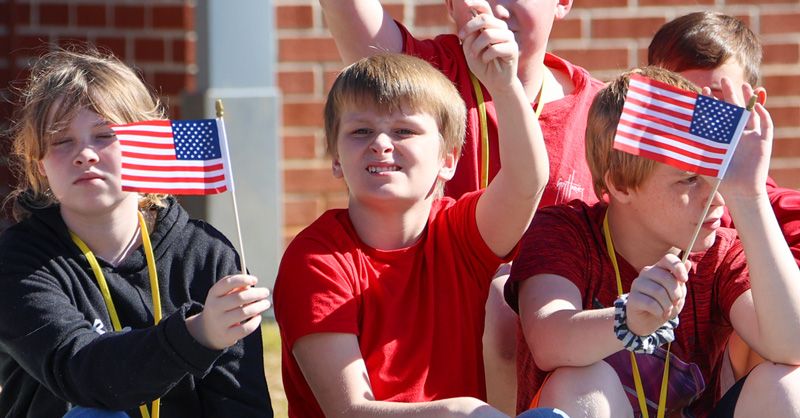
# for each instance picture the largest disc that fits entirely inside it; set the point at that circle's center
(564, 279)
(559, 92)
(381, 304)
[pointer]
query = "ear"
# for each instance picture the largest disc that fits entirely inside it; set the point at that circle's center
(618, 193)
(337, 168)
(761, 92)
(40, 166)
(562, 8)
(448, 169)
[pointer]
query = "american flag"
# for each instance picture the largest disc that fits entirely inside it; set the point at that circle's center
(686, 130)
(174, 157)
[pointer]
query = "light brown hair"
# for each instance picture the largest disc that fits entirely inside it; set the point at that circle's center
(704, 41)
(71, 79)
(625, 170)
(395, 83)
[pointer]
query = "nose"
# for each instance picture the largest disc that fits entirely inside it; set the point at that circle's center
(382, 144)
(86, 156)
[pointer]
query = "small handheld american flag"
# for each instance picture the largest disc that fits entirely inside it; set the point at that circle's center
(174, 157)
(684, 129)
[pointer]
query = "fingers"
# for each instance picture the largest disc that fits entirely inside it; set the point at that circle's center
(661, 289)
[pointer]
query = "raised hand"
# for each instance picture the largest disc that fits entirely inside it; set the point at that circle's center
(489, 46)
(657, 295)
(231, 312)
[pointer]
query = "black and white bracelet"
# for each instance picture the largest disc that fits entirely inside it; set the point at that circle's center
(638, 343)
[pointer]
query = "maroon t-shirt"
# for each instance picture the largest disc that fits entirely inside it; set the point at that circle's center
(567, 240)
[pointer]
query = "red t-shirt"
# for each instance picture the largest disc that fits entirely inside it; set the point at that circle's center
(786, 205)
(418, 312)
(567, 240)
(563, 123)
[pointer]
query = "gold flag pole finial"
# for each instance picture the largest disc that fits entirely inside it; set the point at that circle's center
(220, 110)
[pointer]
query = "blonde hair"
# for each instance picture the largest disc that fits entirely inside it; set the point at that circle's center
(625, 170)
(393, 83)
(71, 80)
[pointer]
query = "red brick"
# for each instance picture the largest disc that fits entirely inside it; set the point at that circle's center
(54, 14)
(296, 82)
(338, 200)
(173, 17)
(91, 15)
(781, 53)
(184, 51)
(294, 17)
(675, 2)
(396, 11)
(567, 29)
(781, 85)
(784, 116)
(303, 114)
(299, 147)
(786, 147)
(788, 177)
(755, 2)
(432, 15)
(307, 50)
(782, 23)
(130, 17)
(22, 14)
(29, 42)
(174, 83)
(633, 27)
(300, 211)
(328, 78)
(588, 4)
(149, 49)
(115, 44)
(596, 59)
(311, 180)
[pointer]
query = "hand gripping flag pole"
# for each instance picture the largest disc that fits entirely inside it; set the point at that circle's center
(226, 154)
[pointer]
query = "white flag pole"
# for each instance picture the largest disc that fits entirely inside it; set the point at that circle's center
(737, 136)
(229, 174)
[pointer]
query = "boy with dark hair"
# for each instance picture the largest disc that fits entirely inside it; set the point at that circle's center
(704, 47)
(563, 281)
(381, 305)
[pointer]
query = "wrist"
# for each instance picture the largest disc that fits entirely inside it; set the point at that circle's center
(640, 343)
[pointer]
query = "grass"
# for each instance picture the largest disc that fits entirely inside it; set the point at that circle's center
(272, 366)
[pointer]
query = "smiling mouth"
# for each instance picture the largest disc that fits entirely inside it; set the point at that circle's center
(382, 169)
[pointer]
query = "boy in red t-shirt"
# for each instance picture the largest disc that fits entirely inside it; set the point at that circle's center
(381, 305)
(563, 281)
(704, 47)
(559, 91)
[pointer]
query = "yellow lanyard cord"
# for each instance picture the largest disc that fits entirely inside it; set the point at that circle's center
(637, 378)
(484, 126)
(112, 311)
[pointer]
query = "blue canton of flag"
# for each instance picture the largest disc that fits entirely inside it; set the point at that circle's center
(196, 139)
(715, 120)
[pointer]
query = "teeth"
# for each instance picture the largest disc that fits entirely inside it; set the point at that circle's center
(382, 169)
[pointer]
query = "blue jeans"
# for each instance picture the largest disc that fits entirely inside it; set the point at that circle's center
(543, 413)
(81, 412)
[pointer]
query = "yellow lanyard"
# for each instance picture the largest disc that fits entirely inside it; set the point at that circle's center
(476, 85)
(112, 312)
(637, 379)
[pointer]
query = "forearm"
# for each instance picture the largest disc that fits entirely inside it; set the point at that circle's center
(774, 278)
(361, 28)
(571, 338)
(446, 408)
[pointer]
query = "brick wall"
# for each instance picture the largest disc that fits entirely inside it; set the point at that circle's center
(604, 36)
(156, 37)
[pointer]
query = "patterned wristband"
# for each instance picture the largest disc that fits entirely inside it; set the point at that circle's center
(637, 343)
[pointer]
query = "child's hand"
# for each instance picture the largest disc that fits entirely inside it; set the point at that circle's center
(746, 176)
(657, 295)
(231, 312)
(491, 51)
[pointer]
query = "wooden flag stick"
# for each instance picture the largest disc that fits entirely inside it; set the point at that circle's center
(220, 113)
(700, 223)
